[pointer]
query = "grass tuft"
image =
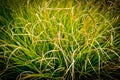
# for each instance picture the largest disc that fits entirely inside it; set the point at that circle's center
(68, 40)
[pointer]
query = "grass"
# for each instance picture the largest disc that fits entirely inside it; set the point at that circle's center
(67, 40)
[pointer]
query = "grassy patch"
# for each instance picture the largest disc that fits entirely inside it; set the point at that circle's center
(68, 40)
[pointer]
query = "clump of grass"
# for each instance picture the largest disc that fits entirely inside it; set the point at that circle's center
(59, 40)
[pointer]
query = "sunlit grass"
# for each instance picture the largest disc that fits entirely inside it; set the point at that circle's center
(68, 40)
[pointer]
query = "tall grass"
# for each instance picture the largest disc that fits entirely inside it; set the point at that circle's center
(67, 40)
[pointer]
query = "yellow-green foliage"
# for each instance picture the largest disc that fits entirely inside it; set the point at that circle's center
(51, 39)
